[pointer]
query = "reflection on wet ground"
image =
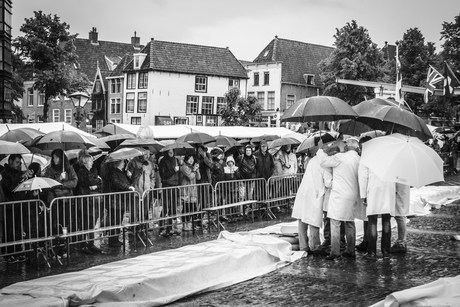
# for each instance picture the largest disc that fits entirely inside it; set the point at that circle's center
(311, 281)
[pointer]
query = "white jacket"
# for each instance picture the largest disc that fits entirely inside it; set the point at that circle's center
(308, 204)
(380, 195)
(402, 199)
(345, 190)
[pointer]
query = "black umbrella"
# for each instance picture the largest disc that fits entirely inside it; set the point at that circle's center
(179, 148)
(196, 138)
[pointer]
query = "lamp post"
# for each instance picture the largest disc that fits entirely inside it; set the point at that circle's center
(79, 100)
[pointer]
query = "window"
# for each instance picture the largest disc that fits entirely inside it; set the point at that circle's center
(233, 83)
(221, 104)
(41, 100)
(98, 87)
(261, 98)
(142, 102)
(56, 115)
(135, 120)
(115, 121)
(270, 100)
(130, 102)
(201, 84)
(207, 105)
(131, 81)
(115, 106)
(290, 100)
(116, 85)
(143, 79)
(192, 105)
(30, 97)
(68, 116)
(256, 79)
(309, 79)
(266, 78)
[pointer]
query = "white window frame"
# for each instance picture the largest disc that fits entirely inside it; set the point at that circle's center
(207, 105)
(41, 100)
(271, 100)
(266, 78)
(131, 81)
(68, 116)
(115, 120)
(192, 104)
(142, 102)
(221, 104)
(130, 108)
(138, 120)
(30, 97)
(261, 98)
(56, 115)
(143, 80)
(290, 98)
(115, 106)
(256, 74)
(201, 84)
(233, 83)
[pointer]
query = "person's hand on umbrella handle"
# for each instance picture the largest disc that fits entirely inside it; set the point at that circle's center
(320, 144)
(364, 201)
(176, 168)
(63, 175)
(128, 173)
(132, 189)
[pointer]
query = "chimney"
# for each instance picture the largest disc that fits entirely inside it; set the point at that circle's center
(93, 36)
(136, 41)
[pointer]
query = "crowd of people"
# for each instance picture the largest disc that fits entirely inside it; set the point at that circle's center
(336, 189)
(85, 176)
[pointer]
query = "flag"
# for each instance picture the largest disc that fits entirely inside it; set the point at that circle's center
(432, 78)
(450, 81)
(398, 92)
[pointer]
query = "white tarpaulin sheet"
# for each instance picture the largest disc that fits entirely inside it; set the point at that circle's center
(425, 198)
(159, 278)
(442, 292)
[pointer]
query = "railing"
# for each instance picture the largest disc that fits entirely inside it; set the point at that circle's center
(29, 225)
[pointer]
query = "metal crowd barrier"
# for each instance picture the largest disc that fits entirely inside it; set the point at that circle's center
(23, 228)
(78, 219)
(173, 208)
(281, 191)
(29, 226)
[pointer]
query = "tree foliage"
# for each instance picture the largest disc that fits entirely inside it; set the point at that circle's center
(48, 51)
(450, 33)
(355, 57)
(239, 111)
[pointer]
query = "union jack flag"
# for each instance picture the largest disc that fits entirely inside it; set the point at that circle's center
(450, 81)
(432, 78)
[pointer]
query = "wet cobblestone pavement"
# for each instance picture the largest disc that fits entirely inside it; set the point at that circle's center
(311, 281)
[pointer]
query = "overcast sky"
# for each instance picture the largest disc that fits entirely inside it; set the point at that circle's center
(245, 26)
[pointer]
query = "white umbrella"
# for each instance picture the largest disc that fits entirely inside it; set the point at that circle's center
(403, 159)
(29, 158)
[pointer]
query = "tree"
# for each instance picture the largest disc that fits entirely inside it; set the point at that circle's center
(18, 114)
(450, 33)
(48, 52)
(415, 57)
(239, 111)
(355, 57)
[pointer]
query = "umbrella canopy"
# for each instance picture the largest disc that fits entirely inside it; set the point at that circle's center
(265, 137)
(152, 145)
(36, 183)
(125, 153)
(73, 153)
(313, 141)
(196, 138)
(298, 136)
(99, 144)
(387, 118)
(283, 141)
(224, 142)
(403, 159)
(318, 108)
(352, 127)
(28, 158)
(61, 139)
(387, 102)
(21, 135)
(8, 148)
(179, 148)
(114, 140)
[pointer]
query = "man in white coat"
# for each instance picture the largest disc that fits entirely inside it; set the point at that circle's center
(379, 198)
(344, 195)
(308, 204)
(401, 211)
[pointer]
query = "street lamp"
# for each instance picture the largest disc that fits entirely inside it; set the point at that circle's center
(79, 100)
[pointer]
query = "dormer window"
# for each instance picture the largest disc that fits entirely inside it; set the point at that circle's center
(139, 59)
(309, 79)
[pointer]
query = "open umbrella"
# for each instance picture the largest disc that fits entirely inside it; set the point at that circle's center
(264, 137)
(179, 148)
(394, 119)
(352, 127)
(125, 153)
(283, 141)
(61, 139)
(223, 141)
(73, 153)
(403, 159)
(114, 140)
(28, 158)
(8, 148)
(318, 108)
(152, 145)
(196, 138)
(313, 141)
(21, 135)
(298, 136)
(36, 183)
